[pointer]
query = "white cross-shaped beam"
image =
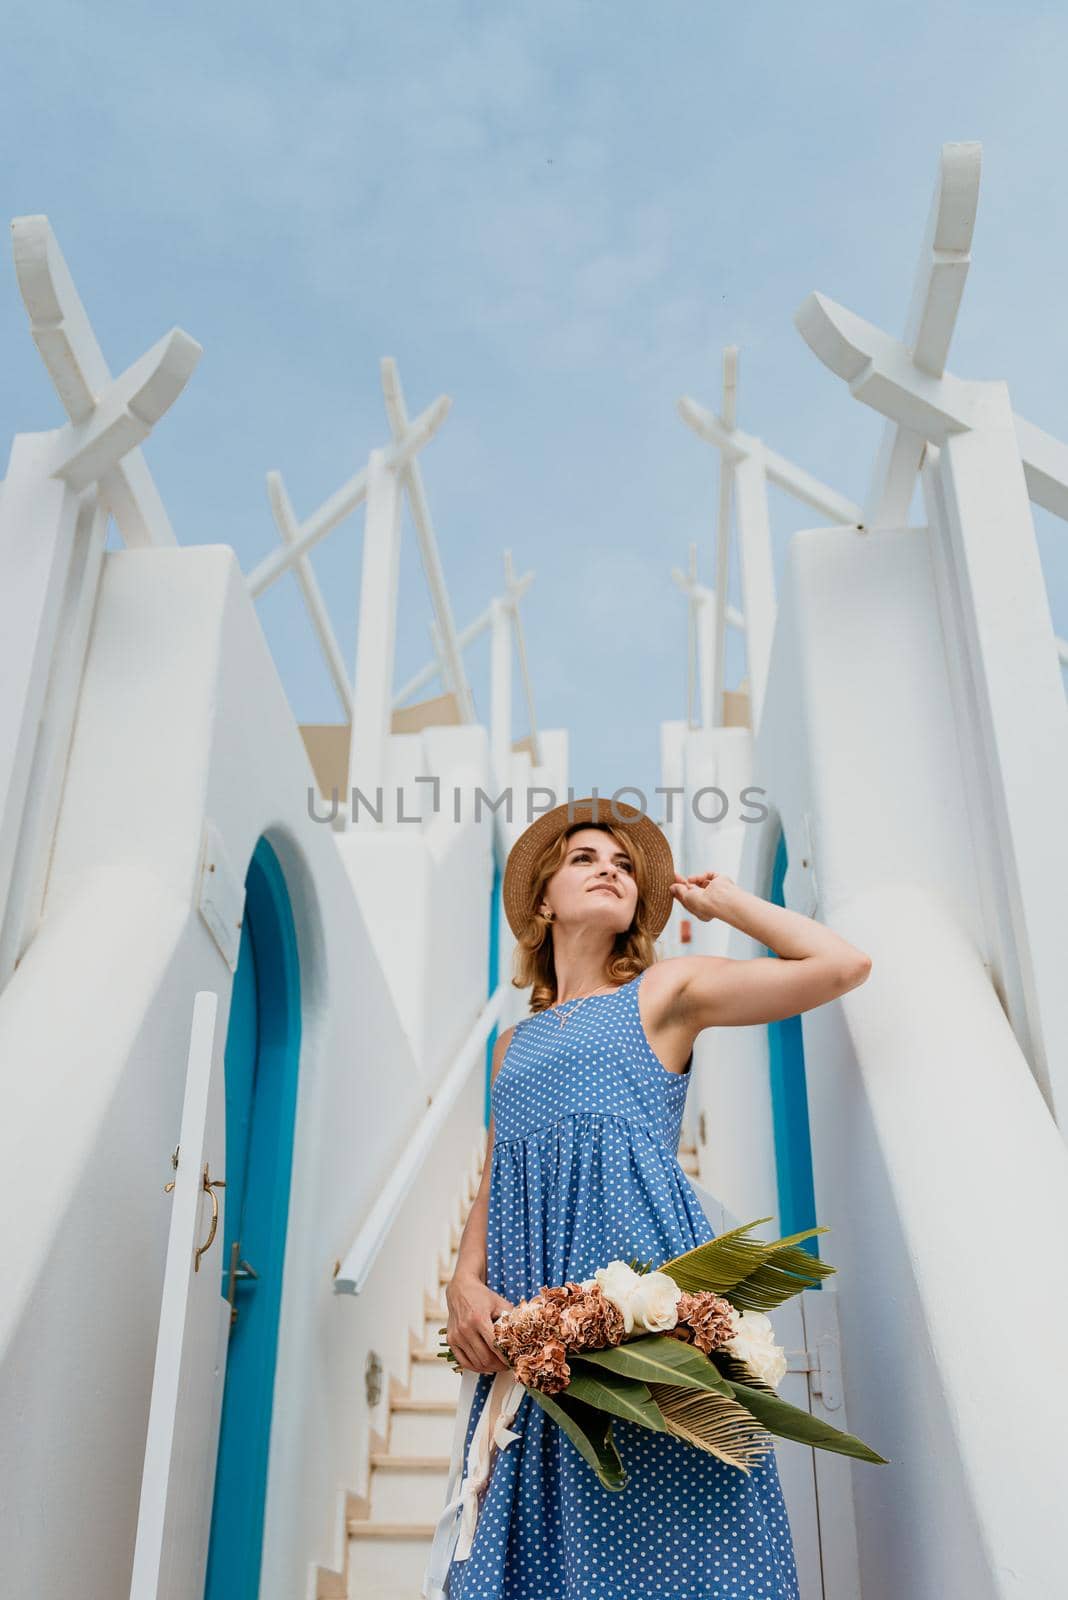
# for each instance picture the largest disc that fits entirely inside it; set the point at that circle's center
(299, 538)
(937, 292)
(109, 417)
(905, 379)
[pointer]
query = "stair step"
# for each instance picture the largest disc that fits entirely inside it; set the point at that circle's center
(385, 1461)
(388, 1566)
(419, 1427)
(434, 1381)
(361, 1529)
(407, 1487)
(406, 1402)
(431, 1332)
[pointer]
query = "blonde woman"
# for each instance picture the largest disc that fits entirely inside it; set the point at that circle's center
(587, 1098)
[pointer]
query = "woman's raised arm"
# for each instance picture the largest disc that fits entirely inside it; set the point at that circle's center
(812, 964)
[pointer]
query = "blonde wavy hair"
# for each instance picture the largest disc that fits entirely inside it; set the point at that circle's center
(533, 962)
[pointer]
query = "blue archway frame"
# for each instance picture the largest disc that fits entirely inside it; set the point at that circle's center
(262, 1066)
(789, 1104)
(494, 972)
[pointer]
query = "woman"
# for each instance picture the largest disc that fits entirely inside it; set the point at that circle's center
(587, 1097)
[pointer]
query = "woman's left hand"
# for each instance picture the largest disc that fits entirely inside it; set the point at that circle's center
(702, 893)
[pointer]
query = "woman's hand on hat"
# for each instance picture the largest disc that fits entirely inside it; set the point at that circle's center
(702, 893)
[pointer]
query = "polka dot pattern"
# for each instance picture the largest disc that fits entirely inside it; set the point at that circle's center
(584, 1171)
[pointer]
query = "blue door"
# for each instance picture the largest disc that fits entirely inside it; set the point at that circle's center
(494, 977)
(262, 1054)
(789, 1105)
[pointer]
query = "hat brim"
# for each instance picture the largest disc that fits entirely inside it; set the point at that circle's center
(648, 838)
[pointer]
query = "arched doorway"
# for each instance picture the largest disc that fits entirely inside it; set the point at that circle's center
(789, 1104)
(262, 1056)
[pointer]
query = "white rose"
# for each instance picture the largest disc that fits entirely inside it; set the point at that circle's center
(754, 1343)
(618, 1283)
(654, 1302)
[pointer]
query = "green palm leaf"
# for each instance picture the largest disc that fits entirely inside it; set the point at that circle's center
(791, 1422)
(590, 1431)
(710, 1421)
(755, 1274)
(657, 1358)
(623, 1397)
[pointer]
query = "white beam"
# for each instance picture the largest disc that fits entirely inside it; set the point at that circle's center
(376, 631)
(713, 707)
(937, 292)
(108, 417)
(500, 693)
(757, 575)
(687, 582)
(795, 480)
(1045, 463)
(880, 371)
(346, 499)
(705, 595)
(289, 528)
(91, 449)
(412, 480)
(513, 591)
(466, 636)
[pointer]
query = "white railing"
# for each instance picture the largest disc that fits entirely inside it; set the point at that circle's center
(361, 1255)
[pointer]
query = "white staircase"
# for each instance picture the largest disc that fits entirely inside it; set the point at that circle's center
(390, 1528)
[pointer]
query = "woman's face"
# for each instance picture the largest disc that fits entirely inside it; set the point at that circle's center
(594, 883)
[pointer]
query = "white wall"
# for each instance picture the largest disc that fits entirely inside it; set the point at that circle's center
(182, 717)
(937, 1167)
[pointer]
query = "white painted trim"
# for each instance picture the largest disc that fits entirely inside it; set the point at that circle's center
(373, 1233)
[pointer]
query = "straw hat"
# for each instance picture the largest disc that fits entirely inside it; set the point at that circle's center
(648, 839)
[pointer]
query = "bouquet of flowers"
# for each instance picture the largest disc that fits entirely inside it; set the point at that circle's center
(686, 1349)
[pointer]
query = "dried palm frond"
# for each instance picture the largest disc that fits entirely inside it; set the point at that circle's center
(711, 1422)
(734, 1370)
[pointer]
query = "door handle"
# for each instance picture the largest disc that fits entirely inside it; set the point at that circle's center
(210, 1186)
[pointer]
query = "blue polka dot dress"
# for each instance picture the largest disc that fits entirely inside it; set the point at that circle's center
(584, 1171)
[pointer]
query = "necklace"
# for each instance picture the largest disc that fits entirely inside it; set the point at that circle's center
(574, 1007)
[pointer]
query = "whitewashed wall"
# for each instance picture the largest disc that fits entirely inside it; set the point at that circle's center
(937, 1166)
(182, 717)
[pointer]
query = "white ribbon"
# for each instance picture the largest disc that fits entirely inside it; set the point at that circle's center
(453, 1536)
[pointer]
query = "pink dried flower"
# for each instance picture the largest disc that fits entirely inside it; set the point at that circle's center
(709, 1316)
(526, 1327)
(591, 1322)
(562, 1295)
(545, 1369)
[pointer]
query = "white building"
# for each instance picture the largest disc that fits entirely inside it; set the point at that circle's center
(244, 1033)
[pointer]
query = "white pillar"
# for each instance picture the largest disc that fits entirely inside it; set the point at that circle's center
(372, 700)
(500, 692)
(1022, 720)
(757, 573)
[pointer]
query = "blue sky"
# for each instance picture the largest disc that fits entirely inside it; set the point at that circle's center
(558, 214)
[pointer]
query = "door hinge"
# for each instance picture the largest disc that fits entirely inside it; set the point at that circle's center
(823, 1368)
